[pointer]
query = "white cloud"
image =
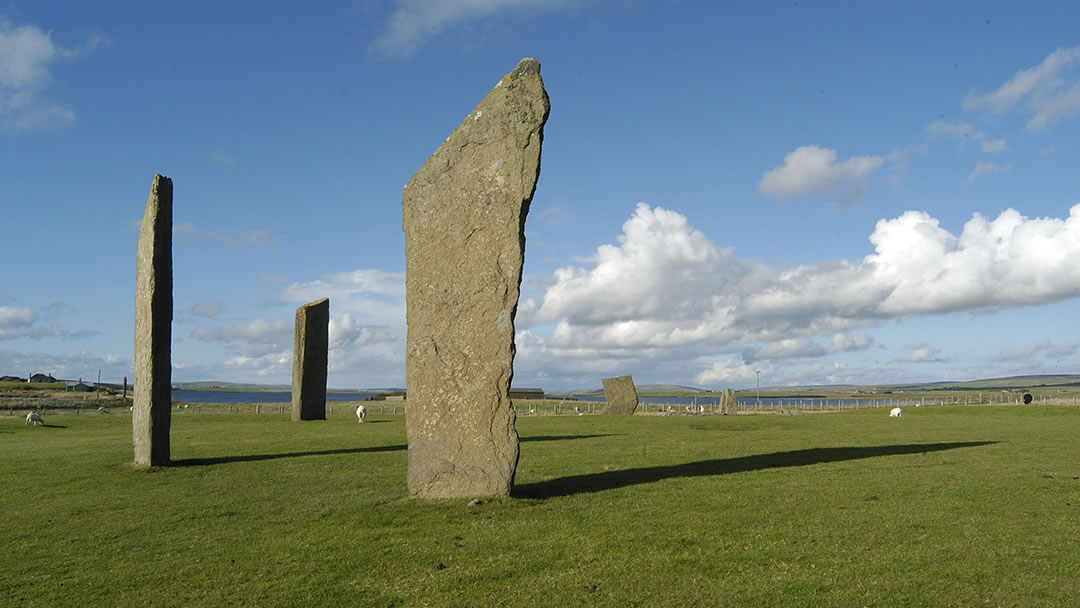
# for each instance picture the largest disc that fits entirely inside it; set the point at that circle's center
(794, 348)
(375, 296)
(728, 373)
(365, 280)
(16, 317)
(665, 288)
(346, 333)
(923, 353)
(228, 238)
(1051, 90)
(26, 53)
(414, 22)
(258, 331)
(813, 170)
(209, 309)
(965, 132)
(987, 168)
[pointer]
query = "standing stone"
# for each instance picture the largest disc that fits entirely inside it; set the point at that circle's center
(310, 343)
(728, 404)
(621, 395)
(464, 220)
(152, 413)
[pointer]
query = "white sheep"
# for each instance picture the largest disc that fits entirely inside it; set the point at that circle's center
(361, 413)
(35, 418)
(578, 410)
(896, 412)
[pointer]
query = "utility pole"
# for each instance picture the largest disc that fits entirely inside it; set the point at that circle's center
(758, 372)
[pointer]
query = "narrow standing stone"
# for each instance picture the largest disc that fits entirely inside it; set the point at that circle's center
(152, 413)
(464, 220)
(310, 343)
(621, 395)
(728, 403)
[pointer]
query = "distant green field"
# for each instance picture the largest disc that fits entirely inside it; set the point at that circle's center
(947, 506)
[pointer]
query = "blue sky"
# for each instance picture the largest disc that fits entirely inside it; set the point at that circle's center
(828, 192)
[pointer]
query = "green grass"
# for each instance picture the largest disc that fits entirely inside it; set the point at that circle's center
(957, 506)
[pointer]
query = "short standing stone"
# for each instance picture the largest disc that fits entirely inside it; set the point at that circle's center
(728, 404)
(621, 395)
(310, 344)
(152, 408)
(464, 219)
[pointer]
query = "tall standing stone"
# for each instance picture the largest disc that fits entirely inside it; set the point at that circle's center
(728, 403)
(152, 409)
(464, 220)
(621, 395)
(310, 343)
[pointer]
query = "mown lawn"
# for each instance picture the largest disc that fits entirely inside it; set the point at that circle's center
(955, 506)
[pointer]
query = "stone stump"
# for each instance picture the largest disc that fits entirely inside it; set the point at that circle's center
(728, 404)
(311, 342)
(621, 395)
(152, 407)
(464, 221)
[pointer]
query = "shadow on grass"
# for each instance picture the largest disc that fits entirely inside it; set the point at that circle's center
(610, 480)
(562, 437)
(198, 462)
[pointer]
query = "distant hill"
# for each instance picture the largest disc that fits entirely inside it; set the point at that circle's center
(215, 385)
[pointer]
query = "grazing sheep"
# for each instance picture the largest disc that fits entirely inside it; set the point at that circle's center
(102, 410)
(35, 418)
(896, 412)
(578, 410)
(361, 413)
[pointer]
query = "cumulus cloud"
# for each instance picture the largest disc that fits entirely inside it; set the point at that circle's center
(26, 54)
(966, 133)
(801, 347)
(376, 296)
(728, 372)
(813, 170)
(666, 286)
(346, 333)
(1050, 91)
(414, 22)
(11, 317)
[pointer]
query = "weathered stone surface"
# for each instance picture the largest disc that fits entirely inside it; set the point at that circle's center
(464, 219)
(621, 395)
(152, 408)
(728, 404)
(310, 343)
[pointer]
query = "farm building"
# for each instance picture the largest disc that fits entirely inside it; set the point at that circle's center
(42, 378)
(526, 393)
(79, 387)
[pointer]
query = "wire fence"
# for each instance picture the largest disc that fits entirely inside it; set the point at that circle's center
(20, 406)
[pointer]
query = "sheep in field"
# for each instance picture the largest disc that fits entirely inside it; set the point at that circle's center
(35, 418)
(361, 413)
(895, 413)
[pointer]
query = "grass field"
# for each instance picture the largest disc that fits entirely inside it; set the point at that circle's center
(953, 506)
